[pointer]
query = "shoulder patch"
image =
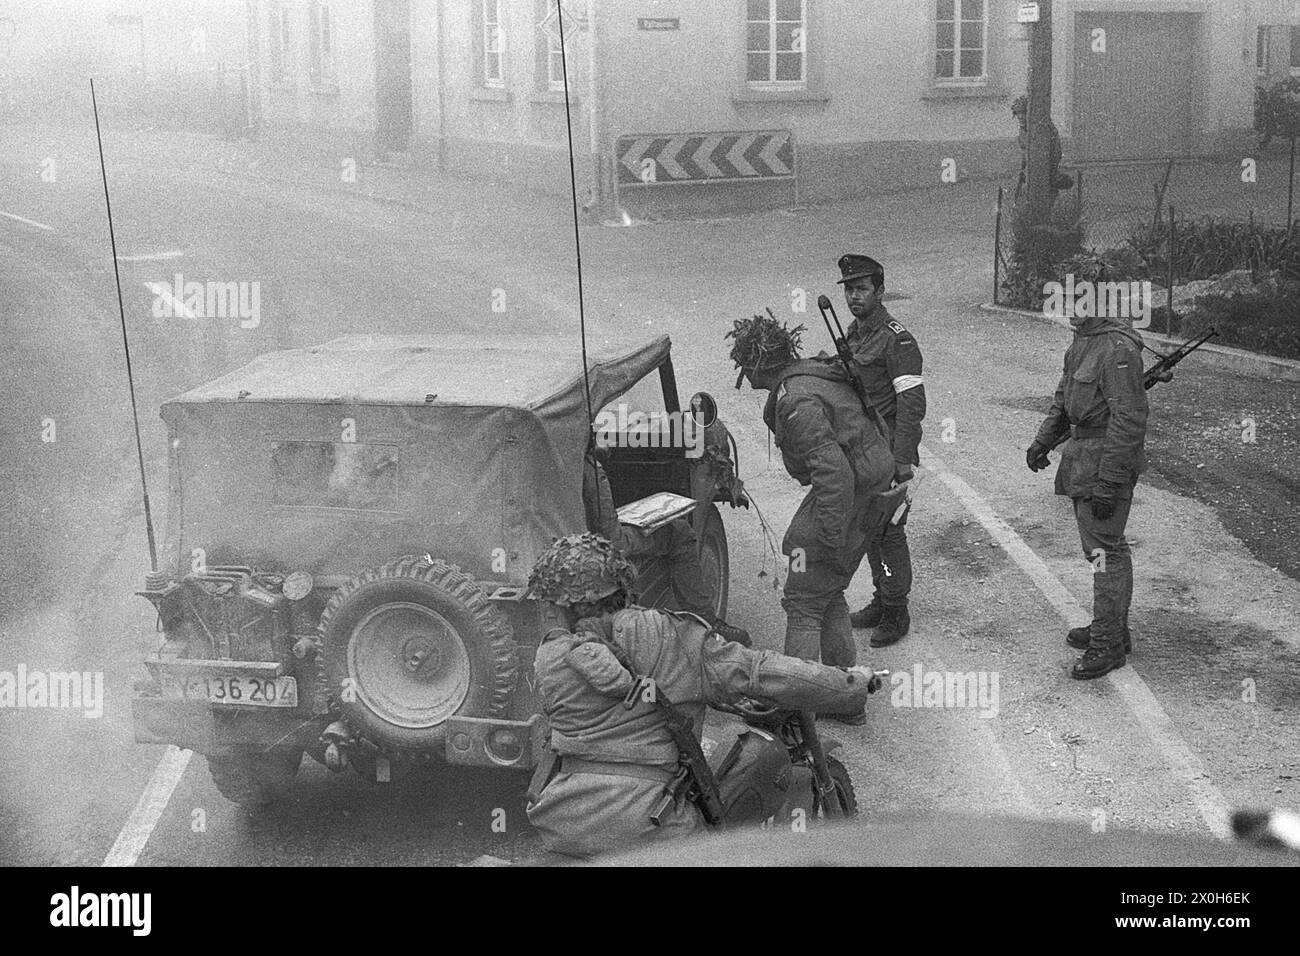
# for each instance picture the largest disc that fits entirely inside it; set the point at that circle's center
(897, 329)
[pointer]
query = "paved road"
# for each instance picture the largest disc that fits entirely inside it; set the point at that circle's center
(1203, 719)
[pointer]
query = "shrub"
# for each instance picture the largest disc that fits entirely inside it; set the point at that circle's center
(1210, 247)
(1264, 321)
(1038, 252)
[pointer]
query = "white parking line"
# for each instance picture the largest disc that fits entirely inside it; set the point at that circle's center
(135, 834)
(1180, 758)
(27, 222)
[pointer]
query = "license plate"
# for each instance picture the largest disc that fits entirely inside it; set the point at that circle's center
(234, 690)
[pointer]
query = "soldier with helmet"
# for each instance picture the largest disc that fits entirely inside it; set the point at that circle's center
(829, 445)
(889, 364)
(610, 761)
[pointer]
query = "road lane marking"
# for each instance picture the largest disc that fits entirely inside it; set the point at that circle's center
(178, 308)
(148, 810)
(153, 256)
(27, 222)
(1132, 689)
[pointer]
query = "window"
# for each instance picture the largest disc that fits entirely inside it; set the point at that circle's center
(1263, 50)
(334, 475)
(777, 47)
(961, 42)
(321, 27)
(493, 45)
(278, 39)
(1295, 51)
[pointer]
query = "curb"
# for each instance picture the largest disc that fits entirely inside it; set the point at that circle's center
(1251, 364)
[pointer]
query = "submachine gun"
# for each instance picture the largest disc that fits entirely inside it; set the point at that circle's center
(1161, 371)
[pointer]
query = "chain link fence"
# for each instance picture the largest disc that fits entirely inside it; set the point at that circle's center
(1134, 205)
(1115, 200)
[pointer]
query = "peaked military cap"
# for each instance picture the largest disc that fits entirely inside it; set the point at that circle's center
(859, 267)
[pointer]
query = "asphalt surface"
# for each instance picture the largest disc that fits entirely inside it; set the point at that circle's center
(1203, 719)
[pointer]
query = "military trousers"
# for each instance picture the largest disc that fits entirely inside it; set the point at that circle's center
(891, 562)
(1106, 548)
(817, 624)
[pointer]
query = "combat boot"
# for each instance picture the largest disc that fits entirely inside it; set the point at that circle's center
(1081, 638)
(730, 633)
(1097, 661)
(869, 616)
(895, 622)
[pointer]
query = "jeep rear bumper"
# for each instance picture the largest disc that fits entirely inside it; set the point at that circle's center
(199, 726)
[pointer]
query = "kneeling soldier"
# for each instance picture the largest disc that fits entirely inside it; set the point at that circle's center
(614, 761)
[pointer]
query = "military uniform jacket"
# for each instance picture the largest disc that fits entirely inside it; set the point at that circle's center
(889, 363)
(827, 442)
(1102, 399)
(582, 687)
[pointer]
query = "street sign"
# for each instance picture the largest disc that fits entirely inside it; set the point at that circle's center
(693, 158)
(1027, 13)
(658, 23)
(574, 20)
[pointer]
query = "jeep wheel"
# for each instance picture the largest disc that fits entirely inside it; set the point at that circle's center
(410, 644)
(714, 561)
(253, 779)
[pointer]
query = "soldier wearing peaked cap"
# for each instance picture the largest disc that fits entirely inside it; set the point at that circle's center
(889, 365)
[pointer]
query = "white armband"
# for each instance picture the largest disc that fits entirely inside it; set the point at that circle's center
(904, 382)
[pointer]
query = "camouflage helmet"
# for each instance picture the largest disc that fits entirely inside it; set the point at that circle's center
(580, 569)
(763, 342)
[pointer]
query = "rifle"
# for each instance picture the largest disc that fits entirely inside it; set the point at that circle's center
(1161, 371)
(842, 349)
(846, 359)
(694, 778)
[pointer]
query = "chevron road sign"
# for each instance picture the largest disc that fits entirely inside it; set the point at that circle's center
(693, 158)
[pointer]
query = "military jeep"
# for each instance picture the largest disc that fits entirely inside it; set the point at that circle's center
(349, 534)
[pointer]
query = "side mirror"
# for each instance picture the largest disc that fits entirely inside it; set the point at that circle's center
(703, 409)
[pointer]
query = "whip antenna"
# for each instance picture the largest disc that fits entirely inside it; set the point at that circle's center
(126, 345)
(577, 236)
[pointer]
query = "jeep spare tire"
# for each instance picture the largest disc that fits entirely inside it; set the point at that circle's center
(409, 644)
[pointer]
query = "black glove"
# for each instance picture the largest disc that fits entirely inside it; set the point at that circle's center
(1036, 457)
(1103, 502)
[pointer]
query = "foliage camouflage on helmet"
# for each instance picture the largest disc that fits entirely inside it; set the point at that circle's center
(579, 569)
(1020, 106)
(763, 341)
